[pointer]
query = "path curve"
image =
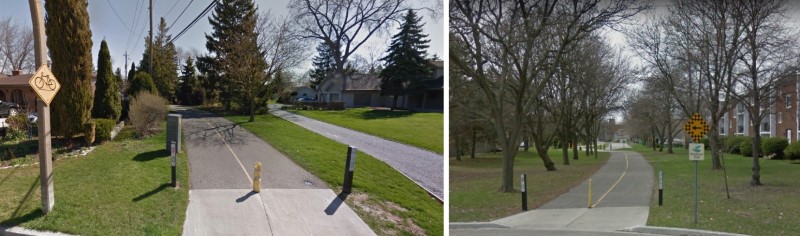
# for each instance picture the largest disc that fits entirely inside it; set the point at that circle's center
(424, 167)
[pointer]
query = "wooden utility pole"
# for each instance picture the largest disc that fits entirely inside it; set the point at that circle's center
(43, 112)
(151, 39)
(126, 66)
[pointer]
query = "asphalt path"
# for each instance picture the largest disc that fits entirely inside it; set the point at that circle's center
(223, 156)
(621, 194)
(424, 167)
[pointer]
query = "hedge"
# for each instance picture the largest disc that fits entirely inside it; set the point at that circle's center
(774, 146)
(793, 151)
(746, 147)
(733, 144)
(103, 129)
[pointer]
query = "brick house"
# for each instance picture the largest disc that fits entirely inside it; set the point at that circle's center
(780, 122)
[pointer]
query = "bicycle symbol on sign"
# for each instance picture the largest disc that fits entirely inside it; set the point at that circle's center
(42, 80)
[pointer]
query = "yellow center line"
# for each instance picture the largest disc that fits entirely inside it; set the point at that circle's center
(231, 149)
(615, 183)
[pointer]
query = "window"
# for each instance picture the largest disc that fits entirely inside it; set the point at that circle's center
(740, 108)
(334, 97)
(17, 97)
(787, 100)
(740, 124)
(764, 127)
(780, 117)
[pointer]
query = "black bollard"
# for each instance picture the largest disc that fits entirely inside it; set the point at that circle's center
(173, 157)
(524, 194)
(660, 188)
(349, 168)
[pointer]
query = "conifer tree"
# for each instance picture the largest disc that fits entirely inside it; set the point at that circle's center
(189, 92)
(107, 101)
(165, 69)
(69, 39)
(237, 56)
(141, 82)
(323, 65)
(406, 67)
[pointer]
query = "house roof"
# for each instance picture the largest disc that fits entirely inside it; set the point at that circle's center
(17, 80)
(363, 82)
(438, 64)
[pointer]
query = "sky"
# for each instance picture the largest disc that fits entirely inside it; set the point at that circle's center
(124, 25)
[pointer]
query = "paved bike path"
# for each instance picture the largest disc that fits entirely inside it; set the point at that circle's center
(292, 201)
(424, 167)
(621, 196)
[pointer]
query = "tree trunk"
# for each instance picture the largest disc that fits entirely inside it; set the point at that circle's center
(542, 152)
(252, 110)
(458, 148)
(713, 141)
(474, 139)
(525, 143)
(394, 103)
(756, 152)
(575, 150)
(509, 153)
(565, 153)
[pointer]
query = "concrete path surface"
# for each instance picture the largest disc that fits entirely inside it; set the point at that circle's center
(424, 167)
(621, 197)
(292, 201)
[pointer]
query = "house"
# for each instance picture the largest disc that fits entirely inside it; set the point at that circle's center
(781, 120)
(304, 91)
(361, 90)
(15, 88)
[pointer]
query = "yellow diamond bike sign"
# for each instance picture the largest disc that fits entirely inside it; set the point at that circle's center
(45, 84)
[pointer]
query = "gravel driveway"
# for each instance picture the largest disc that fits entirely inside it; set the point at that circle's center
(421, 166)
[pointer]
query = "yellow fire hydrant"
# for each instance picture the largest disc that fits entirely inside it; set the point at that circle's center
(257, 178)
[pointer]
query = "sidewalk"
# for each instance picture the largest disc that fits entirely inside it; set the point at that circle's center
(292, 201)
(424, 167)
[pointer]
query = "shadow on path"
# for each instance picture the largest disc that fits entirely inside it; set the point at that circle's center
(245, 197)
(336, 203)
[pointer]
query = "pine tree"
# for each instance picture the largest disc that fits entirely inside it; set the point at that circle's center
(237, 56)
(107, 101)
(189, 92)
(406, 67)
(323, 65)
(131, 72)
(141, 82)
(165, 69)
(69, 39)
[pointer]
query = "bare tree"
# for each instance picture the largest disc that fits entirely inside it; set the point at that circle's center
(511, 49)
(768, 58)
(694, 50)
(346, 25)
(277, 37)
(16, 46)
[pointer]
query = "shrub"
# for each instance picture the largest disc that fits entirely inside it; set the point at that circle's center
(793, 151)
(774, 146)
(147, 112)
(746, 148)
(103, 129)
(733, 144)
(18, 122)
(89, 132)
(705, 143)
(141, 82)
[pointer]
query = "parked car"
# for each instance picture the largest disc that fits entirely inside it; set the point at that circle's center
(8, 108)
(305, 99)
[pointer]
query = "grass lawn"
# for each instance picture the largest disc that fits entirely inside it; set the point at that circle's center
(421, 129)
(474, 183)
(770, 209)
(386, 200)
(121, 188)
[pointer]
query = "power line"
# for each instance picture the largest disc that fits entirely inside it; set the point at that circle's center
(136, 13)
(118, 17)
(179, 16)
(202, 14)
(172, 7)
(139, 38)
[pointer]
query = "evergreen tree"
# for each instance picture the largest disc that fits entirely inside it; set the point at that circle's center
(323, 64)
(209, 80)
(107, 101)
(406, 67)
(165, 69)
(120, 81)
(237, 56)
(69, 39)
(141, 82)
(131, 72)
(189, 92)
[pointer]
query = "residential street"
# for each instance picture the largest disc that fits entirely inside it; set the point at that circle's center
(423, 167)
(292, 201)
(622, 191)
